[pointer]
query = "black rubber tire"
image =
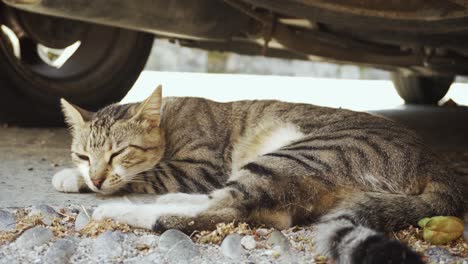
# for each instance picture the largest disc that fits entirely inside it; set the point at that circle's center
(415, 89)
(31, 99)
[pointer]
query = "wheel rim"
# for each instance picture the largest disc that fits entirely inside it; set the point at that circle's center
(95, 43)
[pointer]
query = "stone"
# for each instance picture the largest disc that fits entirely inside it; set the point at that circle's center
(262, 231)
(170, 238)
(147, 259)
(7, 221)
(47, 213)
(60, 251)
(231, 246)
(149, 239)
(108, 245)
(248, 242)
(278, 241)
(34, 237)
(82, 220)
(182, 252)
(441, 255)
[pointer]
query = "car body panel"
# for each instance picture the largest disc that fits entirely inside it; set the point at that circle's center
(428, 37)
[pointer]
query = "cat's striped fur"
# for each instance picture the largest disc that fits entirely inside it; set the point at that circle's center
(265, 162)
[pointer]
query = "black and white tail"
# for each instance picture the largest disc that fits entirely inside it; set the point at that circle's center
(356, 231)
(348, 242)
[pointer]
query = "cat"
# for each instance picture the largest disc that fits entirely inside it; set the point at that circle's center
(355, 175)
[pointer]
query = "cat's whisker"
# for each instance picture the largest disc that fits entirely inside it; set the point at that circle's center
(139, 178)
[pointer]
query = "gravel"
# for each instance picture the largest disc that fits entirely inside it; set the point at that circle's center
(60, 251)
(248, 242)
(82, 220)
(46, 212)
(170, 238)
(442, 255)
(182, 252)
(7, 221)
(279, 242)
(231, 246)
(35, 236)
(108, 245)
(41, 243)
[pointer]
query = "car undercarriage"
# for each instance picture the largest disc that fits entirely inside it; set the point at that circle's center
(423, 42)
(427, 37)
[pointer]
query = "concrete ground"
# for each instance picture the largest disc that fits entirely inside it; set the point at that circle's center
(30, 156)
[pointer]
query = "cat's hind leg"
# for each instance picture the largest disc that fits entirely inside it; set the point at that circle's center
(70, 181)
(254, 194)
(179, 211)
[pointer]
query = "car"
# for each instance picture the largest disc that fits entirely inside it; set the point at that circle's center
(91, 52)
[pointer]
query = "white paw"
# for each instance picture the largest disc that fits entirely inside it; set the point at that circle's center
(132, 214)
(110, 210)
(68, 180)
(186, 198)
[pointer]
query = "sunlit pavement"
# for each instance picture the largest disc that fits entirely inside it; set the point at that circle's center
(29, 157)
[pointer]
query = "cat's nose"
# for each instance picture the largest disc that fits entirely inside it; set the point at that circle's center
(97, 183)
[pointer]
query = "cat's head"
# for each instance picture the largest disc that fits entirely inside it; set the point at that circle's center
(113, 145)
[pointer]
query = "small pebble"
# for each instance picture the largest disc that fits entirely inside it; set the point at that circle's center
(279, 241)
(34, 237)
(262, 231)
(249, 242)
(7, 221)
(170, 238)
(108, 245)
(441, 255)
(82, 220)
(47, 213)
(147, 259)
(182, 252)
(147, 239)
(60, 251)
(142, 247)
(231, 246)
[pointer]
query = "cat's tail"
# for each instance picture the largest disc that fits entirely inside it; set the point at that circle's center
(355, 231)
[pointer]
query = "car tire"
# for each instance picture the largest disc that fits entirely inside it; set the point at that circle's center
(415, 89)
(103, 69)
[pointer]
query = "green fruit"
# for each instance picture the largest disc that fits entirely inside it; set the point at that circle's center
(439, 230)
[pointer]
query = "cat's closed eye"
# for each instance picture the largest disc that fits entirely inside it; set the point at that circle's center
(143, 148)
(82, 156)
(115, 154)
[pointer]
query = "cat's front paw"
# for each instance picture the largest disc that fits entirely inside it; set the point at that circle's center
(110, 210)
(68, 180)
(185, 198)
(127, 213)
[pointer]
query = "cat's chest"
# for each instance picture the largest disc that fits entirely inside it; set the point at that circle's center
(266, 137)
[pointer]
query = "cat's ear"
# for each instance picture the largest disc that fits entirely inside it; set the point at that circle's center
(150, 108)
(74, 115)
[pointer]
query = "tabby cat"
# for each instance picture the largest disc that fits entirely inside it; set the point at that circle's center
(280, 164)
